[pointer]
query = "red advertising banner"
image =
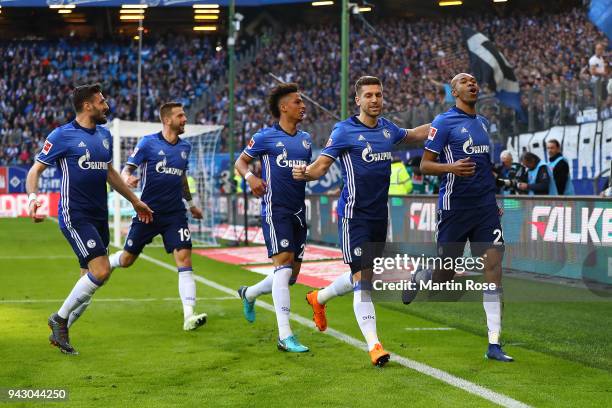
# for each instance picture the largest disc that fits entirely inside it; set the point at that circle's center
(3, 180)
(16, 205)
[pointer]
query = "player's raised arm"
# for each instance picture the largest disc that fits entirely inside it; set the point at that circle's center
(417, 134)
(32, 189)
(313, 171)
(145, 214)
(337, 143)
(258, 186)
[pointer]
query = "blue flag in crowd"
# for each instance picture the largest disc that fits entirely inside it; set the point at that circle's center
(600, 14)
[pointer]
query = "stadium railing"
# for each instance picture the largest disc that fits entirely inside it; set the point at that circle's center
(564, 104)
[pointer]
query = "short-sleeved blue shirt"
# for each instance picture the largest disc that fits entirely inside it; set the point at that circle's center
(455, 135)
(279, 153)
(162, 166)
(83, 156)
(365, 155)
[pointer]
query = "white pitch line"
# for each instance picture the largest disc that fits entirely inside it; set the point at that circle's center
(5, 301)
(37, 257)
(475, 389)
(429, 328)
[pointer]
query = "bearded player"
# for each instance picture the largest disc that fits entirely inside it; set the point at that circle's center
(83, 150)
(163, 158)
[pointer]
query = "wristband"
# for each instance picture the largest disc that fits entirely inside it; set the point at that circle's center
(190, 203)
(248, 174)
(32, 197)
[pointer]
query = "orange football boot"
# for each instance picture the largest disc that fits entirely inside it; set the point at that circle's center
(318, 310)
(379, 356)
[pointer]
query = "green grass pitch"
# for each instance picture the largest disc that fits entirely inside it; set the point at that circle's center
(134, 353)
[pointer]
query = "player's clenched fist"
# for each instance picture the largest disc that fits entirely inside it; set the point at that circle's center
(196, 213)
(463, 167)
(299, 172)
(34, 204)
(258, 186)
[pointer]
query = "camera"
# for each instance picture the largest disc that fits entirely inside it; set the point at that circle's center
(506, 180)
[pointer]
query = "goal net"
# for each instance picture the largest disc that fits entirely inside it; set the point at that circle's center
(204, 140)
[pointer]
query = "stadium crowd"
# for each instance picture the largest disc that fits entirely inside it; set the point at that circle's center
(36, 78)
(414, 59)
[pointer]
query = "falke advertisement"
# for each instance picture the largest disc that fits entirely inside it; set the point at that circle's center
(558, 236)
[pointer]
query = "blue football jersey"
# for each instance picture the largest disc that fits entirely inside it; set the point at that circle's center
(162, 166)
(279, 153)
(83, 156)
(455, 135)
(365, 156)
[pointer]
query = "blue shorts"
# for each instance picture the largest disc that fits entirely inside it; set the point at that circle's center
(355, 233)
(173, 229)
(285, 233)
(481, 226)
(88, 239)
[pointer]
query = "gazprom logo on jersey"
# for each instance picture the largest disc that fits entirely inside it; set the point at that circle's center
(469, 148)
(160, 167)
(85, 164)
(281, 161)
(564, 224)
(368, 156)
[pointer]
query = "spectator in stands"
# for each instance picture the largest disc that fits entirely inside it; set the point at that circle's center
(560, 168)
(24, 156)
(597, 64)
(11, 153)
(539, 179)
(444, 87)
(4, 132)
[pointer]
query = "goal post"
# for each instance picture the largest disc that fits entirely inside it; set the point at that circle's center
(204, 140)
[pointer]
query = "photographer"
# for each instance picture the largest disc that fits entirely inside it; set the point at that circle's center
(559, 167)
(539, 177)
(508, 174)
